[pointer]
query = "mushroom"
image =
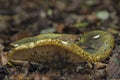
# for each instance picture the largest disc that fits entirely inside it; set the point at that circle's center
(53, 49)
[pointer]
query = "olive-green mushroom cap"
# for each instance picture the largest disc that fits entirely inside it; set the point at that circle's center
(93, 46)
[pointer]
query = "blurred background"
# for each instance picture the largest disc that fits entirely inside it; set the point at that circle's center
(21, 18)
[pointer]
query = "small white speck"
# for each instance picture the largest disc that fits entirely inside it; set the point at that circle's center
(97, 36)
(16, 45)
(64, 42)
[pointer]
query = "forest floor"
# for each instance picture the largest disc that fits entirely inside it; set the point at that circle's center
(24, 18)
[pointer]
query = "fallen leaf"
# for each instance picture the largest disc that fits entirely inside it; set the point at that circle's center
(1, 48)
(77, 77)
(81, 25)
(100, 65)
(92, 2)
(36, 76)
(113, 68)
(60, 27)
(103, 15)
(21, 35)
(113, 31)
(19, 77)
(91, 17)
(4, 58)
(48, 30)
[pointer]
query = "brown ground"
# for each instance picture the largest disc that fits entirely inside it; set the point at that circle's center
(23, 18)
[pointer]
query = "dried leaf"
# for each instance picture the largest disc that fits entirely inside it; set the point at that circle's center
(102, 15)
(37, 77)
(45, 78)
(113, 68)
(48, 30)
(19, 77)
(100, 65)
(112, 30)
(60, 27)
(77, 77)
(81, 25)
(91, 17)
(92, 2)
(1, 48)
(21, 35)
(4, 58)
